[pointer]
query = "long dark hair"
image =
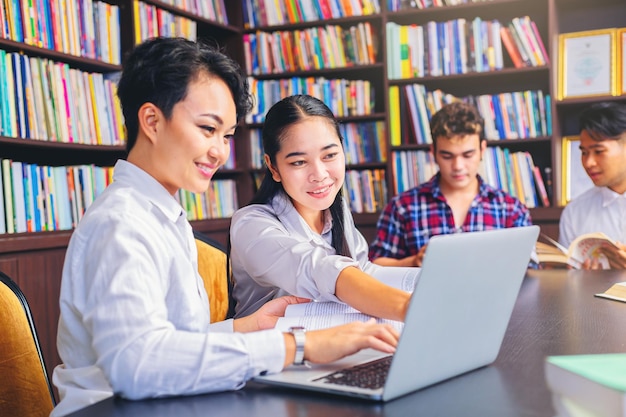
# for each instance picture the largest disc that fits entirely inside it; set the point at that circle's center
(284, 114)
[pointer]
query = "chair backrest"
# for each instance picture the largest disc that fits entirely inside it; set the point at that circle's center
(25, 389)
(213, 268)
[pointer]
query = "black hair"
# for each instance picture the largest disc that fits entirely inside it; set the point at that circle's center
(280, 117)
(604, 120)
(457, 118)
(159, 71)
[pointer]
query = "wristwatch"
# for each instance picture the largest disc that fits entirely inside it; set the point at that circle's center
(298, 335)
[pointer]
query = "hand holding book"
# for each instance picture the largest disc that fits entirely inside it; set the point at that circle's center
(588, 251)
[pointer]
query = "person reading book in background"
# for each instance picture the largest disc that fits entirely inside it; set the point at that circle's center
(455, 200)
(297, 235)
(603, 207)
(135, 318)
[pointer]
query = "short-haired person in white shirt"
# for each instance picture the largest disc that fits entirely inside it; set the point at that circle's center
(297, 236)
(135, 318)
(603, 207)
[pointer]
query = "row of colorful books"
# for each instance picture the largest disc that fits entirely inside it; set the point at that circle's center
(516, 115)
(151, 21)
(219, 201)
(522, 40)
(45, 198)
(513, 172)
(47, 100)
(258, 13)
(256, 149)
(316, 48)
(343, 97)
(460, 46)
(411, 168)
(214, 10)
(366, 190)
(364, 142)
(396, 5)
(86, 28)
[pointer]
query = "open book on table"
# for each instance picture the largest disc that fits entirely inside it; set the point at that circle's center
(322, 314)
(587, 246)
(616, 292)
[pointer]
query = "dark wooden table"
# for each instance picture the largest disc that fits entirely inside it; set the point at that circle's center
(556, 313)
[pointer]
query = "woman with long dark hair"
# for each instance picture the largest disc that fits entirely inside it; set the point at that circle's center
(297, 236)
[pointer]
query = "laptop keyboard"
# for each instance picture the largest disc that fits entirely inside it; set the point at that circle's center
(370, 375)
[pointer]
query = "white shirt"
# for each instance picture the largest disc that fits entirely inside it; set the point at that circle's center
(274, 253)
(598, 209)
(134, 313)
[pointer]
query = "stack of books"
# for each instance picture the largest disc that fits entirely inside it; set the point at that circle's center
(588, 385)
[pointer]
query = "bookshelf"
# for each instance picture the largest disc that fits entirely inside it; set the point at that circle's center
(551, 18)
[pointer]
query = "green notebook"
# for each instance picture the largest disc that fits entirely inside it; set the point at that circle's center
(596, 382)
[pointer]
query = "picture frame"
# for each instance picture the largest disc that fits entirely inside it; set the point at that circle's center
(574, 178)
(586, 63)
(621, 60)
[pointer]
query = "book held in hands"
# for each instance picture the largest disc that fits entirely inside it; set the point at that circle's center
(584, 247)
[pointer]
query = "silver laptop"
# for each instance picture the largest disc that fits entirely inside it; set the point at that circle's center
(455, 323)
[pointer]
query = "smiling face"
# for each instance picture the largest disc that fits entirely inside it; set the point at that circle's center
(459, 158)
(605, 161)
(310, 165)
(188, 148)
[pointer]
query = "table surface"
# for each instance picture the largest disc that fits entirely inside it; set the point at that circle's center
(555, 314)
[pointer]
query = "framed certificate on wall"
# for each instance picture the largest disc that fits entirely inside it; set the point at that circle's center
(587, 64)
(574, 179)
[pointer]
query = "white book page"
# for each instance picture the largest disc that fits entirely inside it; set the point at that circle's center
(321, 315)
(404, 278)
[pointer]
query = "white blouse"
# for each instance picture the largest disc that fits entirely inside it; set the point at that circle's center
(274, 253)
(598, 209)
(134, 313)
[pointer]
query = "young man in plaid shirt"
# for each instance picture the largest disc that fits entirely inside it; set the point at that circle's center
(455, 200)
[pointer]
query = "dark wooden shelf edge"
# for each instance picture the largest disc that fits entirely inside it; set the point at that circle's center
(195, 17)
(543, 214)
(27, 242)
(403, 13)
(588, 100)
(38, 143)
(365, 218)
(366, 165)
(503, 72)
(211, 225)
(321, 72)
(314, 23)
(75, 61)
(341, 119)
(490, 142)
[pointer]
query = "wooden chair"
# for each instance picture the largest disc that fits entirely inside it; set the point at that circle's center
(25, 389)
(213, 268)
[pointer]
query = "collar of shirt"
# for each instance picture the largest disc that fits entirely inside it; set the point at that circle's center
(288, 215)
(609, 196)
(128, 173)
(433, 187)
